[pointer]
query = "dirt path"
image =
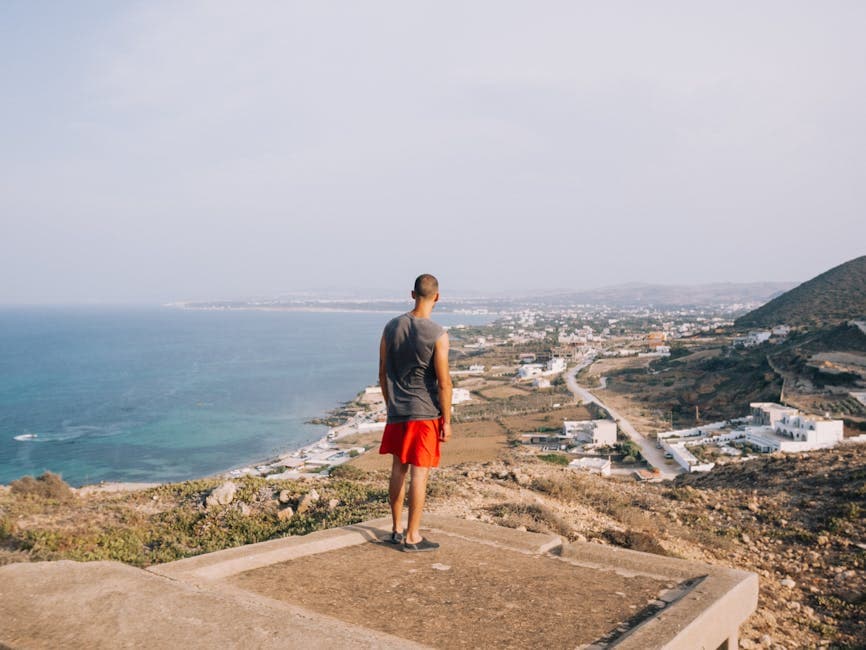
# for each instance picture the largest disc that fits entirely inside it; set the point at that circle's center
(650, 452)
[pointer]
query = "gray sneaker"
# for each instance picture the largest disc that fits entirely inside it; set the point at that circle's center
(418, 547)
(396, 538)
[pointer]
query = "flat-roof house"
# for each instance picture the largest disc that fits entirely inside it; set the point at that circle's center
(769, 413)
(596, 432)
(459, 395)
(593, 465)
(556, 365)
(530, 370)
(782, 428)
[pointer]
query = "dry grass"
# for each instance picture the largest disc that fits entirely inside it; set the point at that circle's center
(48, 486)
(544, 420)
(502, 392)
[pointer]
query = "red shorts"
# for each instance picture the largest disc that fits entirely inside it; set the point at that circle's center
(415, 442)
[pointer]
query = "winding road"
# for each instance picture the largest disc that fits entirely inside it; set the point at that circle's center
(648, 449)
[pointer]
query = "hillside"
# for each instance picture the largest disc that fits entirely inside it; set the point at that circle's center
(832, 297)
(795, 520)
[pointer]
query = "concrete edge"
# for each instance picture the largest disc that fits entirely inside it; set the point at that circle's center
(492, 535)
(715, 609)
(222, 564)
(632, 563)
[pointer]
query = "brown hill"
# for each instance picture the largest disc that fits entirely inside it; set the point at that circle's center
(834, 296)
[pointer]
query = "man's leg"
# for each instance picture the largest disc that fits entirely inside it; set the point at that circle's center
(397, 490)
(417, 494)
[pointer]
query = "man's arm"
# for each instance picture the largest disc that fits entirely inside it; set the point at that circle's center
(383, 381)
(443, 376)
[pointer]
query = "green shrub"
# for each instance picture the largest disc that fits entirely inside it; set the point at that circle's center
(555, 459)
(348, 472)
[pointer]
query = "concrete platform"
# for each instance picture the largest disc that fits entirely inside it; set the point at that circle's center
(485, 587)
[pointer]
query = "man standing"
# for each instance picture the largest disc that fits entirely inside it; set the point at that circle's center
(416, 384)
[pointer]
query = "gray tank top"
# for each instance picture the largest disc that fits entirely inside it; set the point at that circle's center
(413, 391)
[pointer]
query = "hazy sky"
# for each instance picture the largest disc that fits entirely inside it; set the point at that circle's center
(154, 151)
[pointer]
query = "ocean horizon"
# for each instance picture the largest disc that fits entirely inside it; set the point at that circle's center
(156, 394)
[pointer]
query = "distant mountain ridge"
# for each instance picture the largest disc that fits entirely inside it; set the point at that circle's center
(673, 295)
(622, 295)
(834, 296)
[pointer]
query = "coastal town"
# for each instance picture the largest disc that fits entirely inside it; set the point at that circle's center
(533, 361)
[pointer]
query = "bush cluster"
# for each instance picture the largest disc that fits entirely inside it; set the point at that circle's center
(48, 486)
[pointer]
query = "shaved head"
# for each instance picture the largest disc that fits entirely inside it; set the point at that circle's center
(426, 286)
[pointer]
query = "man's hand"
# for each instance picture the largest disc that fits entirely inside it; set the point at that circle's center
(445, 432)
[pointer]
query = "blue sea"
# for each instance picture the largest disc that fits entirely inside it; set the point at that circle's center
(161, 394)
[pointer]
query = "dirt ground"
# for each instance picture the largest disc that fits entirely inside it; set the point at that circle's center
(536, 421)
(473, 383)
(502, 392)
(643, 419)
(604, 366)
(480, 442)
(456, 597)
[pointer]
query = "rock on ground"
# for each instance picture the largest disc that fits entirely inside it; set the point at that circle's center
(222, 495)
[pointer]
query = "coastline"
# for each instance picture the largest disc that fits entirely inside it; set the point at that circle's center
(306, 462)
(339, 411)
(315, 459)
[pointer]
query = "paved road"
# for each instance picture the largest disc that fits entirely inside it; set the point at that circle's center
(653, 455)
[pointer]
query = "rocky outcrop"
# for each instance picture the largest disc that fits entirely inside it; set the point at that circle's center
(307, 501)
(222, 495)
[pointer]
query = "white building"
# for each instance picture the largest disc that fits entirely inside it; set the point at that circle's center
(658, 351)
(753, 338)
(769, 413)
(757, 337)
(770, 427)
(686, 459)
(476, 369)
(596, 432)
(541, 382)
(555, 365)
(592, 465)
(372, 395)
(782, 428)
(368, 427)
(530, 370)
(460, 395)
